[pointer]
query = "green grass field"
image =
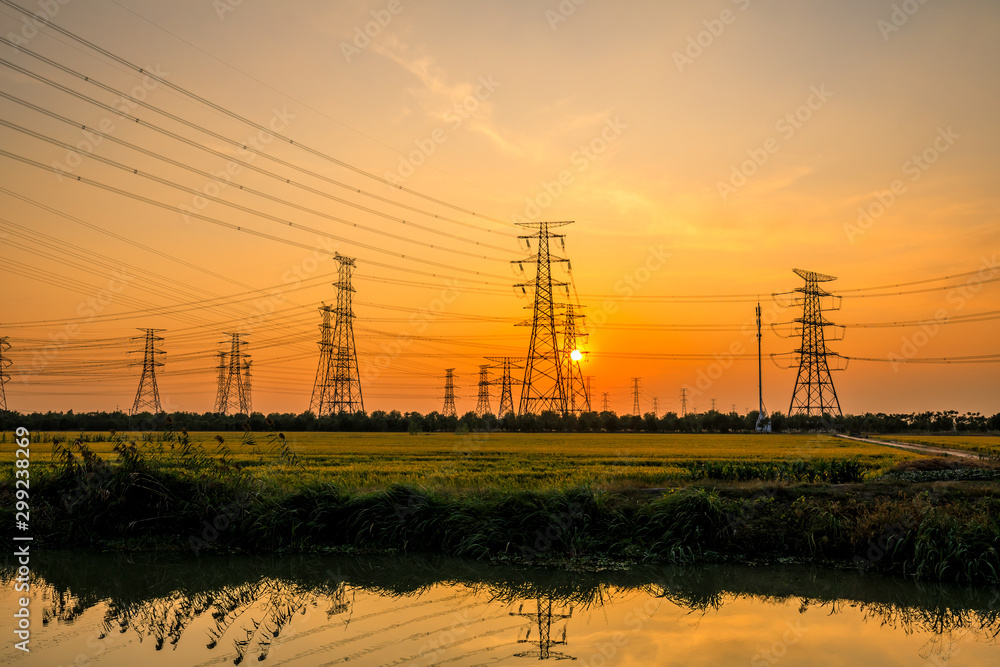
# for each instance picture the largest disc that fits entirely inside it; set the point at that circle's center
(505, 461)
(984, 444)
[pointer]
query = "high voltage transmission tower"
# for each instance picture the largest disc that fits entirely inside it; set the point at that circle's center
(577, 392)
(635, 397)
(544, 387)
(318, 403)
(246, 386)
(449, 394)
(506, 381)
(814, 392)
(4, 378)
(656, 406)
(684, 402)
(147, 395)
(763, 421)
(483, 404)
(542, 619)
(604, 406)
(338, 379)
(235, 392)
(220, 393)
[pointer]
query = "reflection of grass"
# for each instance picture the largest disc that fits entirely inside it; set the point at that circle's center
(984, 444)
(478, 461)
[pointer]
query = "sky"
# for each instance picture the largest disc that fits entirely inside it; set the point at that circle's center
(702, 150)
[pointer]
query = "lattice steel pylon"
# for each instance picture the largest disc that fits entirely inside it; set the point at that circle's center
(543, 387)
(635, 397)
(319, 402)
(343, 393)
(248, 395)
(506, 381)
(449, 394)
(4, 377)
(148, 395)
(542, 618)
(235, 393)
(577, 391)
(220, 394)
(814, 392)
(483, 404)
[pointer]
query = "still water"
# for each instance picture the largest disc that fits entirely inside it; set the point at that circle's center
(149, 610)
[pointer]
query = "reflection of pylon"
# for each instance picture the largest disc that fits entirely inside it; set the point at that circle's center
(635, 397)
(235, 397)
(483, 404)
(506, 381)
(544, 387)
(4, 365)
(449, 394)
(542, 619)
(319, 403)
(814, 392)
(577, 393)
(147, 395)
(220, 394)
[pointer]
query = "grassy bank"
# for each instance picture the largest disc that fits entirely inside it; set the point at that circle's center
(185, 498)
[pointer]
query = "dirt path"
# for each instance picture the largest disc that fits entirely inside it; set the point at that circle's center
(920, 449)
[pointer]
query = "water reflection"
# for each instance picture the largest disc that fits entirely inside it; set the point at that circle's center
(430, 611)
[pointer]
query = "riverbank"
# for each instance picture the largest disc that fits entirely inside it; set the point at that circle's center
(928, 521)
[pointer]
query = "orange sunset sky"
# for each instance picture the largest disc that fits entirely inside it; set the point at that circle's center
(704, 150)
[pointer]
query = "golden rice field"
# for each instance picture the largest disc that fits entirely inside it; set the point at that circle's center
(984, 444)
(509, 461)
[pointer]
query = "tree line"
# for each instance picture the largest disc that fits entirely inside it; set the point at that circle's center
(434, 422)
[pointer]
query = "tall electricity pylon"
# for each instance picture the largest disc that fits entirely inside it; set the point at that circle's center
(147, 395)
(343, 393)
(814, 393)
(604, 406)
(506, 381)
(483, 404)
(543, 387)
(246, 386)
(542, 619)
(577, 392)
(449, 394)
(235, 393)
(635, 397)
(684, 402)
(763, 421)
(319, 402)
(4, 365)
(220, 394)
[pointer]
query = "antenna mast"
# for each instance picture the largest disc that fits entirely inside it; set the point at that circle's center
(763, 421)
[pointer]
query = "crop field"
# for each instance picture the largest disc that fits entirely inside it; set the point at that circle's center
(502, 461)
(984, 444)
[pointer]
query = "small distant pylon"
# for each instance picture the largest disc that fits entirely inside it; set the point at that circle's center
(542, 618)
(684, 402)
(506, 381)
(248, 395)
(814, 393)
(656, 406)
(577, 392)
(220, 394)
(544, 385)
(319, 402)
(235, 396)
(449, 394)
(147, 395)
(635, 397)
(604, 406)
(4, 377)
(483, 404)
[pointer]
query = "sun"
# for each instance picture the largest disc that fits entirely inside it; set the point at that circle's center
(576, 355)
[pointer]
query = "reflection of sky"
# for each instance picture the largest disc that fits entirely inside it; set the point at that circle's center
(453, 626)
